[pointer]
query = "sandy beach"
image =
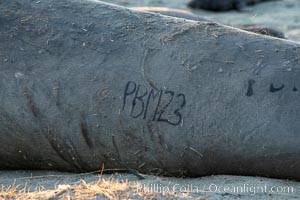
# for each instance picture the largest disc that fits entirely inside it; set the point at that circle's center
(59, 185)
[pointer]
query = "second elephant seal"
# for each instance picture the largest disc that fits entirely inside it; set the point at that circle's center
(190, 16)
(222, 5)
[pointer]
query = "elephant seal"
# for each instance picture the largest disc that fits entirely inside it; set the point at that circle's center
(171, 12)
(86, 84)
(222, 5)
(263, 30)
(190, 16)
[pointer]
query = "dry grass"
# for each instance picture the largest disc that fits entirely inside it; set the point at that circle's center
(103, 188)
(57, 185)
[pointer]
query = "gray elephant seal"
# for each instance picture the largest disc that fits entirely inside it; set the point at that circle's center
(262, 30)
(171, 12)
(190, 16)
(222, 5)
(84, 83)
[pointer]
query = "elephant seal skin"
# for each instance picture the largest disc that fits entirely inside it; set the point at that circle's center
(171, 12)
(190, 16)
(263, 30)
(222, 5)
(84, 83)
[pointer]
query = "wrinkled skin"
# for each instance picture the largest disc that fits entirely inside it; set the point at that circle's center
(190, 16)
(222, 5)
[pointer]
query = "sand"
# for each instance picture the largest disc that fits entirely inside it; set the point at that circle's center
(59, 185)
